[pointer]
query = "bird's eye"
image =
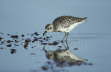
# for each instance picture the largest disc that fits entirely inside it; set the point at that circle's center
(50, 27)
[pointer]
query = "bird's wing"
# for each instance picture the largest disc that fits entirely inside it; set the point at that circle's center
(66, 21)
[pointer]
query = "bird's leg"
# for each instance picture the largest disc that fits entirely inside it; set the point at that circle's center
(65, 39)
(67, 46)
(64, 46)
(44, 49)
(67, 34)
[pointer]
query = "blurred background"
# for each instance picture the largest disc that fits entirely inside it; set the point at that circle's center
(28, 16)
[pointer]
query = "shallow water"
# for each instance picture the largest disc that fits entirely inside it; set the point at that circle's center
(27, 49)
(91, 40)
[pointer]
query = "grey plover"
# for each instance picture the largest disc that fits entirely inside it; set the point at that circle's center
(63, 55)
(64, 24)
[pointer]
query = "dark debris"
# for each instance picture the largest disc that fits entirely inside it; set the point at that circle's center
(25, 40)
(44, 43)
(14, 36)
(1, 38)
(2, 42)
(8, 34)
(9, 41)
(76, 48)
(53, 43)
(26, 43)
(35, 39)
(44, 68)
(22, 35)
(1, 48)
(9, 45)
(36, 33)
(60, 46)
(12, 51)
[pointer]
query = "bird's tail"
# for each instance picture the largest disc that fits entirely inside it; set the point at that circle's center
(84, 18)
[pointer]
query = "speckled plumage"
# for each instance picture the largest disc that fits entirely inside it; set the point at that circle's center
(64, 24)
(66, 21)
(63, 55)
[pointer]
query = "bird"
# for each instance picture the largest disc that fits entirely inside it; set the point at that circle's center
(64, 24)
(63, 55)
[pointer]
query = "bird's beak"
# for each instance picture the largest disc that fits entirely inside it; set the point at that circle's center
(44, 33)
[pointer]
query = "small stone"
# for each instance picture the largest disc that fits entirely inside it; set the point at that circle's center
(26, 43)
(90, 64)
(44, 43)
(9, 45)
(16, 41)
(60, 46)
(9, 41)
(22, 35)
(35, 39)
(54, 43)
(1, 38)
(12, 51)
(36, 34)
(44, 68)
(14, 36)
(76, 48)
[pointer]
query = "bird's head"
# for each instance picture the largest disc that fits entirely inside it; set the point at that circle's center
(48, 28)
(50, 55)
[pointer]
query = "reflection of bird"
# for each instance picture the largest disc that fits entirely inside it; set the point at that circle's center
(63, 55)
(64, 24)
